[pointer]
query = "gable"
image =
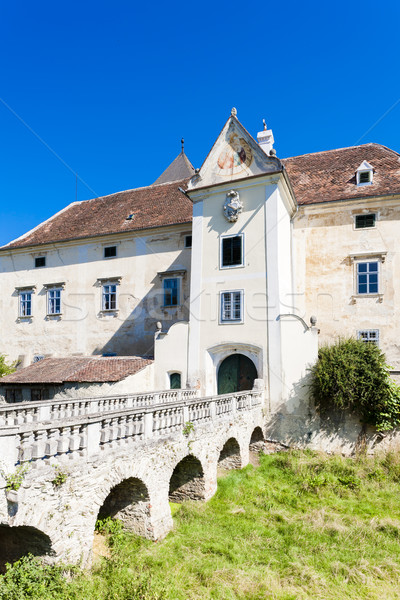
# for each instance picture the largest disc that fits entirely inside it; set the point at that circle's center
(234, 155)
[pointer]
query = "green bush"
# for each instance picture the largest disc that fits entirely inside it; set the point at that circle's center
(353, 376)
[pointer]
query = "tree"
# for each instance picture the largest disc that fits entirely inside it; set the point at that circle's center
(5, 369)
(353, 376)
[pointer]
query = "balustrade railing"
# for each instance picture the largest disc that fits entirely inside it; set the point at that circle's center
(53, 410)
(84, 427)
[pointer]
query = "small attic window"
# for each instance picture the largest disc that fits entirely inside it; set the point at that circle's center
(40, 261)
(365, 177)
(364, 174)
(110, 251)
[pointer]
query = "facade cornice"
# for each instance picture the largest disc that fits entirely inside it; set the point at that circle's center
(102, 239)
(349, 201)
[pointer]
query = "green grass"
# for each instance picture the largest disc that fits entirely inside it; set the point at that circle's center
(301, 526)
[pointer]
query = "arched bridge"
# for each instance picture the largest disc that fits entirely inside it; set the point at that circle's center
(124, 456)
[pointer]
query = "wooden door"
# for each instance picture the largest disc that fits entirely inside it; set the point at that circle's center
(236, 373)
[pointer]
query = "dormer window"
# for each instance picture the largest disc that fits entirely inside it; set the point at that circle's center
(364, 174)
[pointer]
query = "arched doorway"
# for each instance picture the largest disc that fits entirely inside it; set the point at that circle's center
(236, 374)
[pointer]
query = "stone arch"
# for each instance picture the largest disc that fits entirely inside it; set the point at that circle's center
(256, 440)
(236, 373)
(218, 353)
(230, 457)
(16, 542)
(129, 501)
(187, 480)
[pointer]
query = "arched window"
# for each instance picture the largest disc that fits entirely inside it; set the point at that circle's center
(175, 381)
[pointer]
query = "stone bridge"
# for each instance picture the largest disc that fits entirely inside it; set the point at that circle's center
(123, 456)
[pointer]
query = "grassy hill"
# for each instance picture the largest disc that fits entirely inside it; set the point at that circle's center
(300, 526)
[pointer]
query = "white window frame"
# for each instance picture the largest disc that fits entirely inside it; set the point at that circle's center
(104, 294)
(224, 237)
(231, 321)
(368, 335)
(365, 167)
(22, 303)
(367, 293)
(50, 299)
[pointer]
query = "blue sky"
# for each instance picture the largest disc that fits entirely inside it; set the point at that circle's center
(110, 88)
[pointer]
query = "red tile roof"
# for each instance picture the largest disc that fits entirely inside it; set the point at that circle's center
(328, 176)
(319, 177)
(153, 206)
(82, 369)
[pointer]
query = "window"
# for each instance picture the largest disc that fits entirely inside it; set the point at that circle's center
(175, 381)
(39, 394)
(38, 357)
(231, 306)
(110, 251)
(54, 301)
(232, 251)
(188, 241)
(365, 174)
(369, 335)
(109, 301)
(25, 304)
(40, 261)
(363, 221)
(367, 277)
(14, 395)
(171, 291)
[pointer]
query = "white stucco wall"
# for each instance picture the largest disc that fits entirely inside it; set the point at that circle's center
(83, 329)
(265, 279)
(171, 355)
(325, 238)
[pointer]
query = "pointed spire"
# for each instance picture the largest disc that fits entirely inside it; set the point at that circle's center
(180, 168)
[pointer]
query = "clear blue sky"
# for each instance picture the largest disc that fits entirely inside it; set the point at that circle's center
(111, 87)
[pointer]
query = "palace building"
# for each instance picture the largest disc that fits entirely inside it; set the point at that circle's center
(220, 278)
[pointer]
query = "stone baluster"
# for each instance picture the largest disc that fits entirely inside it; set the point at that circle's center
(75, 441)
(39, 444)
(63, 441)
(52, 442)
(140, 426)
(25, 446)
(121, 429)
(83, 439)
(105, 432)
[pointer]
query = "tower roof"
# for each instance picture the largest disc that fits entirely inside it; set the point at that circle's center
(180, 168)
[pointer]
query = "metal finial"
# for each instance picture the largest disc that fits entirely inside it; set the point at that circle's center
(183, 144)
(265, 125)
(233, 112)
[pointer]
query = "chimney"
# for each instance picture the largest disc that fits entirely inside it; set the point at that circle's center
(265, 139)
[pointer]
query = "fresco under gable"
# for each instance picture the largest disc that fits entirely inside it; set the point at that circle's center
(235, 155)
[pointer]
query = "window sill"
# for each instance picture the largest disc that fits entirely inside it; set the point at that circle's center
(356, 297)
(109, 312)
(24, 318)
(171, 306)
(223, 267)
(231, 322)
(53, 316)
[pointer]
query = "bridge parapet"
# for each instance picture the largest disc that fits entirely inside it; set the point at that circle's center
(45, 432)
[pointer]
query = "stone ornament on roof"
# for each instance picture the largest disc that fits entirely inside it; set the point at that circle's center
(233, 206)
